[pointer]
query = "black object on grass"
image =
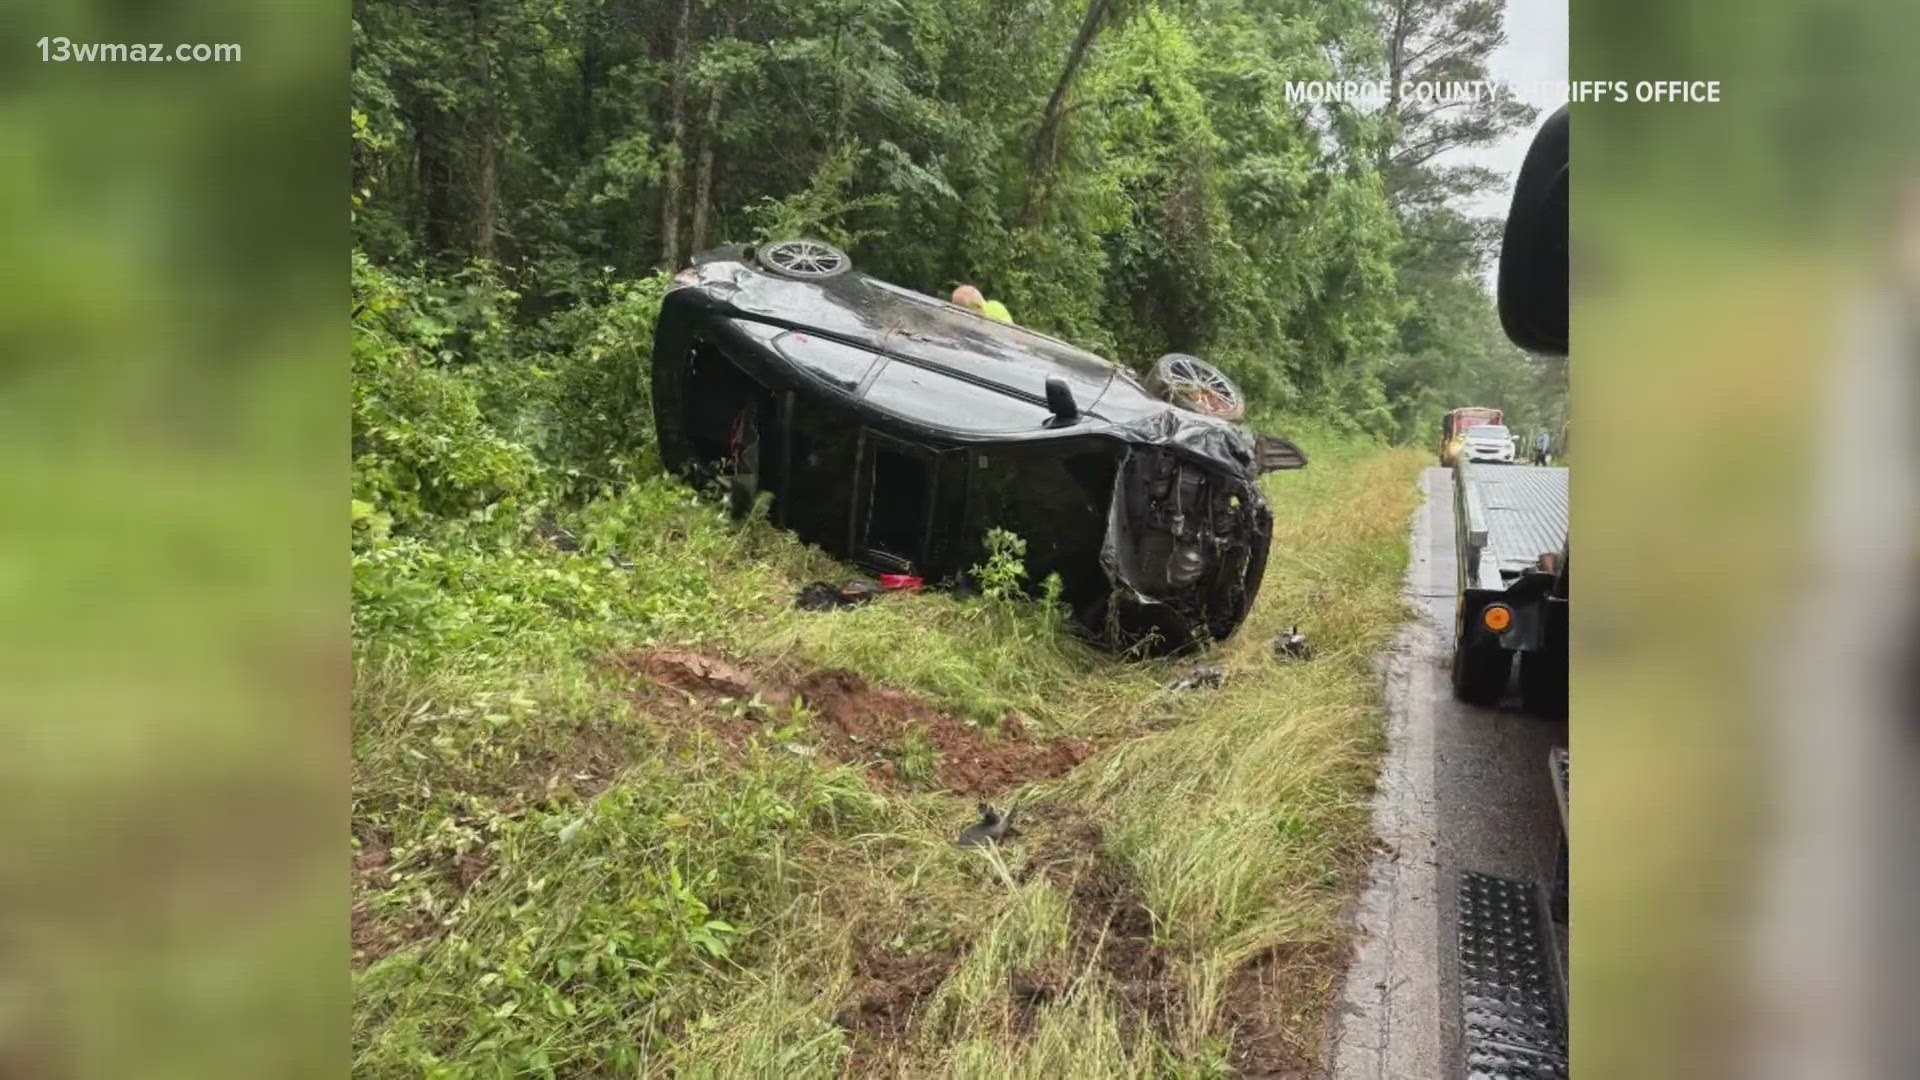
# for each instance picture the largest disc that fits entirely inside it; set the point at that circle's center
(1293, 645)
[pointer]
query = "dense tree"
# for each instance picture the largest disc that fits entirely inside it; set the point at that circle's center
(1444, 45)
(1450, 349)
(1124, 173)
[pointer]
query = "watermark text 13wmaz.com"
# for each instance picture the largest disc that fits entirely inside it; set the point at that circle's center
(61, 50)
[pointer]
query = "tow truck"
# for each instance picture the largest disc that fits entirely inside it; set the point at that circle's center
(1511, 542)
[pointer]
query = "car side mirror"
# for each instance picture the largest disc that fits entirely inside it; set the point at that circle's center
(1061, 404)
(1272, 454)
(1533, 252)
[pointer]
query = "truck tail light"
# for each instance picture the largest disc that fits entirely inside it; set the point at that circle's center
(1497, 617)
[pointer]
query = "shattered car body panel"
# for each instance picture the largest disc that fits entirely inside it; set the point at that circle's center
(894, 430)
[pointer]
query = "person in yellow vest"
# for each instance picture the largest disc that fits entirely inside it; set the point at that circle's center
(968, 297)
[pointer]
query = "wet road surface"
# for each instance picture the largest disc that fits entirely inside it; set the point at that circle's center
(1463, 789)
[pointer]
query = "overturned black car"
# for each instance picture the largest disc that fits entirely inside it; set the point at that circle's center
(894, 430)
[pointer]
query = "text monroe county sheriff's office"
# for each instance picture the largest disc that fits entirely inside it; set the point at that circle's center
(1382, 92)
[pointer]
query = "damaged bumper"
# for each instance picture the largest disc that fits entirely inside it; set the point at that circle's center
(1188, 532)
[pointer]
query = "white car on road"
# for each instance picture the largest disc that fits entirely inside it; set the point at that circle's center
(1490, 442)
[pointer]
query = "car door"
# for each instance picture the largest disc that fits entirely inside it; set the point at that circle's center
(896, 490)
(819, 459)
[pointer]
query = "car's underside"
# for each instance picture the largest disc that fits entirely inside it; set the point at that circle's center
(1151, 518)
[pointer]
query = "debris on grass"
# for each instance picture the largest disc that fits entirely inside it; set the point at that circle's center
(1293, 645)
(820, 596)
(1209, 677)
(989, 829)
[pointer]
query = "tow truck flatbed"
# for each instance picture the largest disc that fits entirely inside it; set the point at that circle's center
(1524, 511)
(1511, 541)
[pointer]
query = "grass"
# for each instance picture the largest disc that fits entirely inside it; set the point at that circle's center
(558, 875)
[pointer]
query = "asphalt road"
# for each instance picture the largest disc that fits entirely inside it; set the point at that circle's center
(1463, 789)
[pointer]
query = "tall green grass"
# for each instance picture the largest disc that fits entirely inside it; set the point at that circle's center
(589, 887)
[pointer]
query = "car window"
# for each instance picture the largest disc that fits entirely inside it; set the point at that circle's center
(1489, 431)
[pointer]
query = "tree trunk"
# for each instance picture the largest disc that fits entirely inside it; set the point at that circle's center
(487, 173)
(672, 194)
(1396, 69)
(1040, 157)
(433, 178)
(486, 166)
(703, 170)
(592, 68)
(487, 181)
(842, 94)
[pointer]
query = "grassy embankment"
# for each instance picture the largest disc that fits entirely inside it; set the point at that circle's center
(564, 867)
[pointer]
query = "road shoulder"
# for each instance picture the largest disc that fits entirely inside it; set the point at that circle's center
(1389, 1020)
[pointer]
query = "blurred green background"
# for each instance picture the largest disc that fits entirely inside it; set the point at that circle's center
(172, 550)
(1720, 252)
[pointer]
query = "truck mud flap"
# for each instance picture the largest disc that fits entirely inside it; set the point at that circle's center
(1512, 992)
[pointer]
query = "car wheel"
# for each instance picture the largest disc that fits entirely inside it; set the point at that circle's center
(1197, 386)
(803, 260)
(1480, 674)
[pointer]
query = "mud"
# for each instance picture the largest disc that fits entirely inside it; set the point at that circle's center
(1296, 979)
(1109, 915)
(852, 721)
(887, 991)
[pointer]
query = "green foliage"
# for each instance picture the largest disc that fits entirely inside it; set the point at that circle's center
(593, 394)
(572, 933)
(424, 450)
(1178, 208)
(1003, 576)
(821, 209)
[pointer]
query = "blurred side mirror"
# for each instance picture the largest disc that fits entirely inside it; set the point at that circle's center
(1273, 454)
(1533, 253)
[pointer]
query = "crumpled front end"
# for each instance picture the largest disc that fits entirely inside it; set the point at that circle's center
(1188, 532)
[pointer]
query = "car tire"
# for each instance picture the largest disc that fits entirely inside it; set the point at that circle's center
(1543, 684)
(802, 260)
(1176, 377)
(1481, 674)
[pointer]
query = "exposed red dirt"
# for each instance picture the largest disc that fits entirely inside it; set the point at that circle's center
(375, 936)
(887, 990)
(1109, 915)
(1259, 999)
(858, 723)
(579, 768)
